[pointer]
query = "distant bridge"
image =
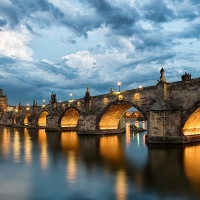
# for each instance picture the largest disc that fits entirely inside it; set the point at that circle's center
(172, 111)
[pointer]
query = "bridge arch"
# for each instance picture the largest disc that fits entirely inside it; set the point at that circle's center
(15, 118)
(110, 116)
(42, 118)
(26, 116)
(69, 117)
(192, 120)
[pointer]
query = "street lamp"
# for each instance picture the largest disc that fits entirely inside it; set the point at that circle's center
(119, 84)
(43, 101)
(70, 96)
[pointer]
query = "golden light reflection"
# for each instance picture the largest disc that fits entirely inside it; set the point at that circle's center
(69, 141)
(27, 147)
(42, 118)
(191, 165)
(44, 157)
(16, 146)
(128, 134)
(5, 145)
(71, 168)
(121, 185)
(110, 149)
(192, 126)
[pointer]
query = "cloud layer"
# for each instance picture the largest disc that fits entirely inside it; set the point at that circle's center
(65, 46)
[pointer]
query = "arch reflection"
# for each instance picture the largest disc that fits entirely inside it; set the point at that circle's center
(70, 144)
(44, 157)
(191, 165)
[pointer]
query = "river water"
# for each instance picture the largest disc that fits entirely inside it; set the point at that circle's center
(65, 166)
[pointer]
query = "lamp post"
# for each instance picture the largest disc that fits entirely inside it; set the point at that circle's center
(70, 96)
(119, 84)
(43, 101)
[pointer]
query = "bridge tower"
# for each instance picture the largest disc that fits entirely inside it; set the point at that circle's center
(164, 116)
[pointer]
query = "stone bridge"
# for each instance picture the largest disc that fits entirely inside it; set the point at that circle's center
(172, 111)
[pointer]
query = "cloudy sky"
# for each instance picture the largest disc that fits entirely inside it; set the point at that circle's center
(66, 45)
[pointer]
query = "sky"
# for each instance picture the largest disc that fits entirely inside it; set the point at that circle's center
(64, 46)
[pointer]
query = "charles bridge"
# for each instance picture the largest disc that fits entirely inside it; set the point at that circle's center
(172, 111)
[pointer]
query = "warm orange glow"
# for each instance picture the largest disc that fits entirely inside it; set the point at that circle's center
(5, 144)
(42, 118)
(27, 147)
(16, 147)
(26, 118)
(111, 118)
(133, 114)
(136, 96)
(110, 149)
(128, 134)
(44, 157)
(121, 185)
(69, 141)
(71, 168)
(70, 118)
(191, 165)
(192, 126)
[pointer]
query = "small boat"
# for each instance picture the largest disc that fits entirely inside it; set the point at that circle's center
(134, 128)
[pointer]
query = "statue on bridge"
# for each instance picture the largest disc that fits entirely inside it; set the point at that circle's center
(53, 98)
(162, 77)
(186, 77)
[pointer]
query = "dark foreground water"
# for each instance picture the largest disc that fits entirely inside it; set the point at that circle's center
(39, 165)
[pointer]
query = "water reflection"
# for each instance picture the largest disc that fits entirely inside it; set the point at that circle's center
(27, 147)
(44, 157)
(70, 144)
(128, 133)
(92, 164)
(121, 185)
(191, 165)
(16, 146)
(71, 168)
(5, 142)
(110, 149)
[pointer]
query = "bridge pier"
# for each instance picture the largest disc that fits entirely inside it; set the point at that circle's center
(87, 124)
(52, 121)
(164, 126)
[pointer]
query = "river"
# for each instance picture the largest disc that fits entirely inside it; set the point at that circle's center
(64, 166)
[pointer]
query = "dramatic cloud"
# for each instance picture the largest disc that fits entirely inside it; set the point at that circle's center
(65, 46)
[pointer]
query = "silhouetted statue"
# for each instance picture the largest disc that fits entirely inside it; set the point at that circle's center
(53, 98)
(186, 77)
